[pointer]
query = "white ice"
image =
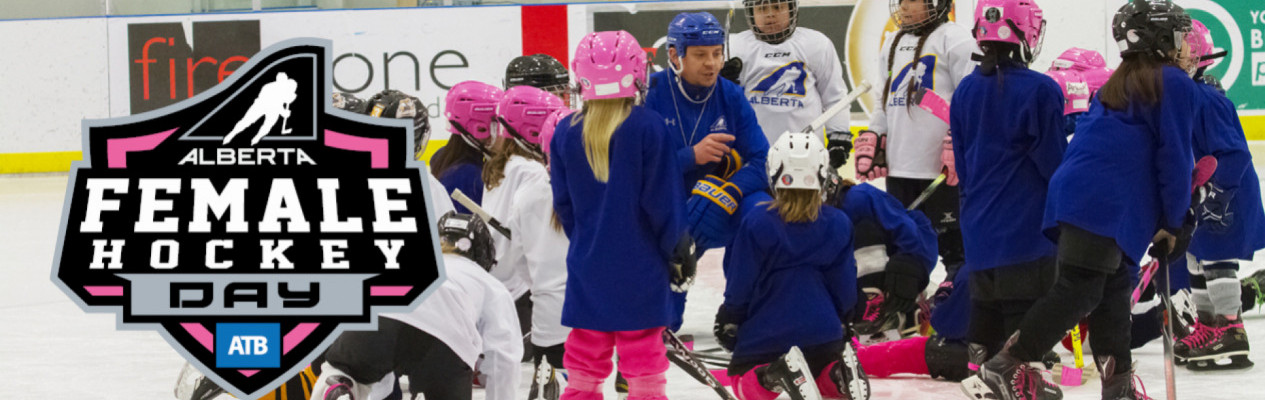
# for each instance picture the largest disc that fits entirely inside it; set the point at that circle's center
(51, 349)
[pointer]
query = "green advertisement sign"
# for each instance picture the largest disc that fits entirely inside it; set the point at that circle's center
(1238, 27)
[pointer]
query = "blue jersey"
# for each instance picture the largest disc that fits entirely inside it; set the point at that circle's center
(1126, 173)
(1218, 133)
(466, 176)
(908, 232)
(726, 111)
(793, 284)
(623, 231)
(1008, 140)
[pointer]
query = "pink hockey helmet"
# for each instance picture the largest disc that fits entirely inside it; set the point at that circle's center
(1200, 41)
(1096, 77)
(1079, 59)
(1075, 90)
(470, 107)
(609, 65)
(1011, 21)
(551, 124)
(522, 112)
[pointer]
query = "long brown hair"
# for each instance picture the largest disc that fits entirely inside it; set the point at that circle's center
(457, 151)
(1139, 78)
(494, 167)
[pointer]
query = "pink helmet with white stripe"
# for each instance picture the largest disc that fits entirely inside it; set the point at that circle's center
(1075, 90)
(551, 124)
(1011, 21)
(1200, 41)
(522, 113)
(1079, 59)
(609, 65)
(470, 108)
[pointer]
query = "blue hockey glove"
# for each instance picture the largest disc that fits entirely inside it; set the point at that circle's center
(728, 165)
(712, 204)
(1214, 210)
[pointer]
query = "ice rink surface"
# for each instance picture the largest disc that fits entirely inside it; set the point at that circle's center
(51, 349)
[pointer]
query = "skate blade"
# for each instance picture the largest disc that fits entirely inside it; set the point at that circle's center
(804, 388)
(859, 385)
(1217, 356)
(975, 388)
(1232, 363)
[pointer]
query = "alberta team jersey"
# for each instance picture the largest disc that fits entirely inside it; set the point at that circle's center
(914, 136)
(790, 83)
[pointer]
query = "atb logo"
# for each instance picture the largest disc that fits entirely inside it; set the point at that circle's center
(248, 225)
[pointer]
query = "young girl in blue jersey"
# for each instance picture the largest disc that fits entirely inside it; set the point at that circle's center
(618, 194)
(1231, 225)
(1123, 184)
(790, 286)
(470, 108)
(1008, 139)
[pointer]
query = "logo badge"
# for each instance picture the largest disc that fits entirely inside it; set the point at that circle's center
(250, 224)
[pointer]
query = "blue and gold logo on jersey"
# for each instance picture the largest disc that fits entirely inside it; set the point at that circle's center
(922, 72)
(783, 87)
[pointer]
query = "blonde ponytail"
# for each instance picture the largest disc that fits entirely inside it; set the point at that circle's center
(601, 118)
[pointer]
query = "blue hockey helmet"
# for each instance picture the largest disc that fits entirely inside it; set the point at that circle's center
(695, 29)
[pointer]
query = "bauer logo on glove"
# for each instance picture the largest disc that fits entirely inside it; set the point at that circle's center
(720, 192)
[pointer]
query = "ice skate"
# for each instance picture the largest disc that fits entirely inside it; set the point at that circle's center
(1119, 386)
(1223, 347)
(1007, 378)
(790, 375)
(547, 383)
(848, 375)
(875, 325)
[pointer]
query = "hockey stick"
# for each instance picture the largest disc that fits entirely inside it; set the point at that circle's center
(686, 360)
(1203, 171)
(845, 104)
(926, 193)
(728, 20)
(1169, 379)
(474, 208)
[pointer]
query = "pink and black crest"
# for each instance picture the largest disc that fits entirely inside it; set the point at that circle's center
(251, 224)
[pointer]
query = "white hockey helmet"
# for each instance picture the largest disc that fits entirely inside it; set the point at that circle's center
(798, 161)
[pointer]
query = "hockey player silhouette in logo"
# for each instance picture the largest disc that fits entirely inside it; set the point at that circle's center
(274, 100)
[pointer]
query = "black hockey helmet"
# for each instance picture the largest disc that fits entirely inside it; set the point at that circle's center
(937, 14)
(396, 104)
(469, 235)
(748, 6)
(541, 71)
(1155, 27)
(349, 102)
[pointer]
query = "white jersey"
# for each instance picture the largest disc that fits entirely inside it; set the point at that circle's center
(473, 314)
(791, 83)
(536, 258)
(914, 135)
(544, 253)
(499, 202)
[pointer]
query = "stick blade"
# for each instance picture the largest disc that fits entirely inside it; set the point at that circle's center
(1203, 171)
